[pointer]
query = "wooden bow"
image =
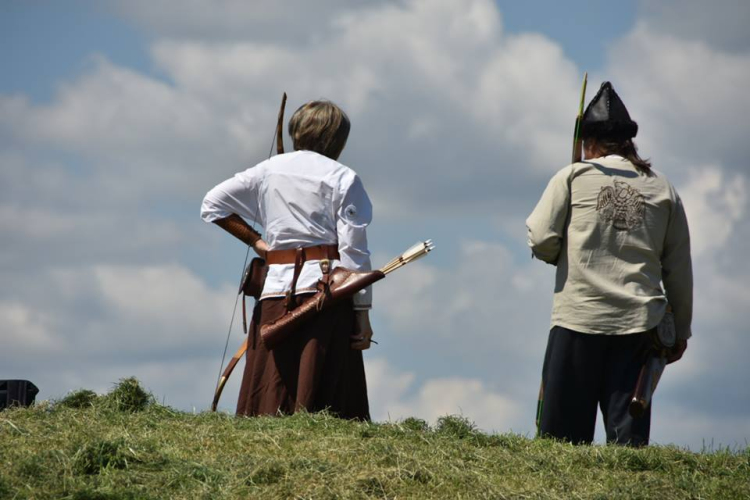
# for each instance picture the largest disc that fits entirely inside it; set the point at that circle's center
(279, 138)
(577, 141)
(577, 156)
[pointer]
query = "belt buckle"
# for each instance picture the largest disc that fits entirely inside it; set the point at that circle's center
(325, 266)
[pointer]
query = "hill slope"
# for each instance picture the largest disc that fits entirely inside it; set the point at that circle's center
(124, 446)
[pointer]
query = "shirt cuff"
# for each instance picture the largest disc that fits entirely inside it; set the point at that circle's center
(363, 299)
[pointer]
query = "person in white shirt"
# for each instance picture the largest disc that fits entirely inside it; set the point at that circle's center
(616, 230)
(306, 200)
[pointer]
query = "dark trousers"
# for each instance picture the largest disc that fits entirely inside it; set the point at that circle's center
(584, 370)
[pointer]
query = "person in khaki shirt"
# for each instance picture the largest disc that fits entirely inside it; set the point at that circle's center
(616, 230)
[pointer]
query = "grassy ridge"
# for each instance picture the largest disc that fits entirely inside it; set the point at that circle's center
(124, 446)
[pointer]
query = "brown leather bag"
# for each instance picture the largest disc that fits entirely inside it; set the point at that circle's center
(254, 278)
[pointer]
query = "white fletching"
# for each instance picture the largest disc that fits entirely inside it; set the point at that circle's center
(415, 252)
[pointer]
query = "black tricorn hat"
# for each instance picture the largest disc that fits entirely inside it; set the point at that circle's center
(607, 116)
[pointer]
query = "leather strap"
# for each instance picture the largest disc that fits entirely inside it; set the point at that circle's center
(289, 256)
(299, 260)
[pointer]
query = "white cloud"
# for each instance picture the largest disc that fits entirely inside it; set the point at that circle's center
(444, 68)
(91, 327)
(526, 94)
(185, 384)
(468, 397)
(722, 23)
(137, 137)
(385, 384)
(28, 329)
(486, 294)
(686, 96)
(391, 398)
(293, 20)
(169, 299)
(116, 311)
(714, 205)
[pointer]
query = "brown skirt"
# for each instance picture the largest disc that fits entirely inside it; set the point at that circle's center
(315, 369)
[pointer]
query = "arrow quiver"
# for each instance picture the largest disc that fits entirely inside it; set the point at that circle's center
(663, 338)
(337, 285)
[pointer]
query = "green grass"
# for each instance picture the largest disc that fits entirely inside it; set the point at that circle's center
(125, 446)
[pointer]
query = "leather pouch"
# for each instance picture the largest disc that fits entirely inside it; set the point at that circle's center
(254, 278)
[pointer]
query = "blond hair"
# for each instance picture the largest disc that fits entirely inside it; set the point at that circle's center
(320, 126)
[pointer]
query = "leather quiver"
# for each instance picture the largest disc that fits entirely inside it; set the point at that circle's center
(340, 284)
(254, 278)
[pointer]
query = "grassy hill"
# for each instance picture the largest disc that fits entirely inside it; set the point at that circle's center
(125, 446)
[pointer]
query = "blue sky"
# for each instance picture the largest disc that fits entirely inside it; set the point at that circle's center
(45, 42)
(116, 117)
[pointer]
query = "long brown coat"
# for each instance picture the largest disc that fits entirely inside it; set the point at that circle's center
(316, 369)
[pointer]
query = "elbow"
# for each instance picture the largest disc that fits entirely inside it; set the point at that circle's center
(207, 209)
(547, 253)
(206, 216)
(210, 212)
(548, 258)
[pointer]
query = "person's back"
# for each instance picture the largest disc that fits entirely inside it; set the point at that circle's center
(609, 268)
(299, 196)
(616, 230)
(315, 214)
(301, 199)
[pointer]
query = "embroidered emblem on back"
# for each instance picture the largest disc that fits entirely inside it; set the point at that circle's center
(621, 205)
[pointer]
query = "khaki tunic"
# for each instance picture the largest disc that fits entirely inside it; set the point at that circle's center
(616, 235)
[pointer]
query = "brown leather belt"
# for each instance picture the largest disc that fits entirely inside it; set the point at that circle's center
(289, 256)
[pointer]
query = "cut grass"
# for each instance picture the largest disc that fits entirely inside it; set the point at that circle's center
(125, 446)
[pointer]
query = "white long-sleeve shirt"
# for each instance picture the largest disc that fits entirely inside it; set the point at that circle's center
(615, 234)
(301, 199)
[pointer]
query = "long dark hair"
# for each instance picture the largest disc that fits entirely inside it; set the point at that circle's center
(618, 146)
